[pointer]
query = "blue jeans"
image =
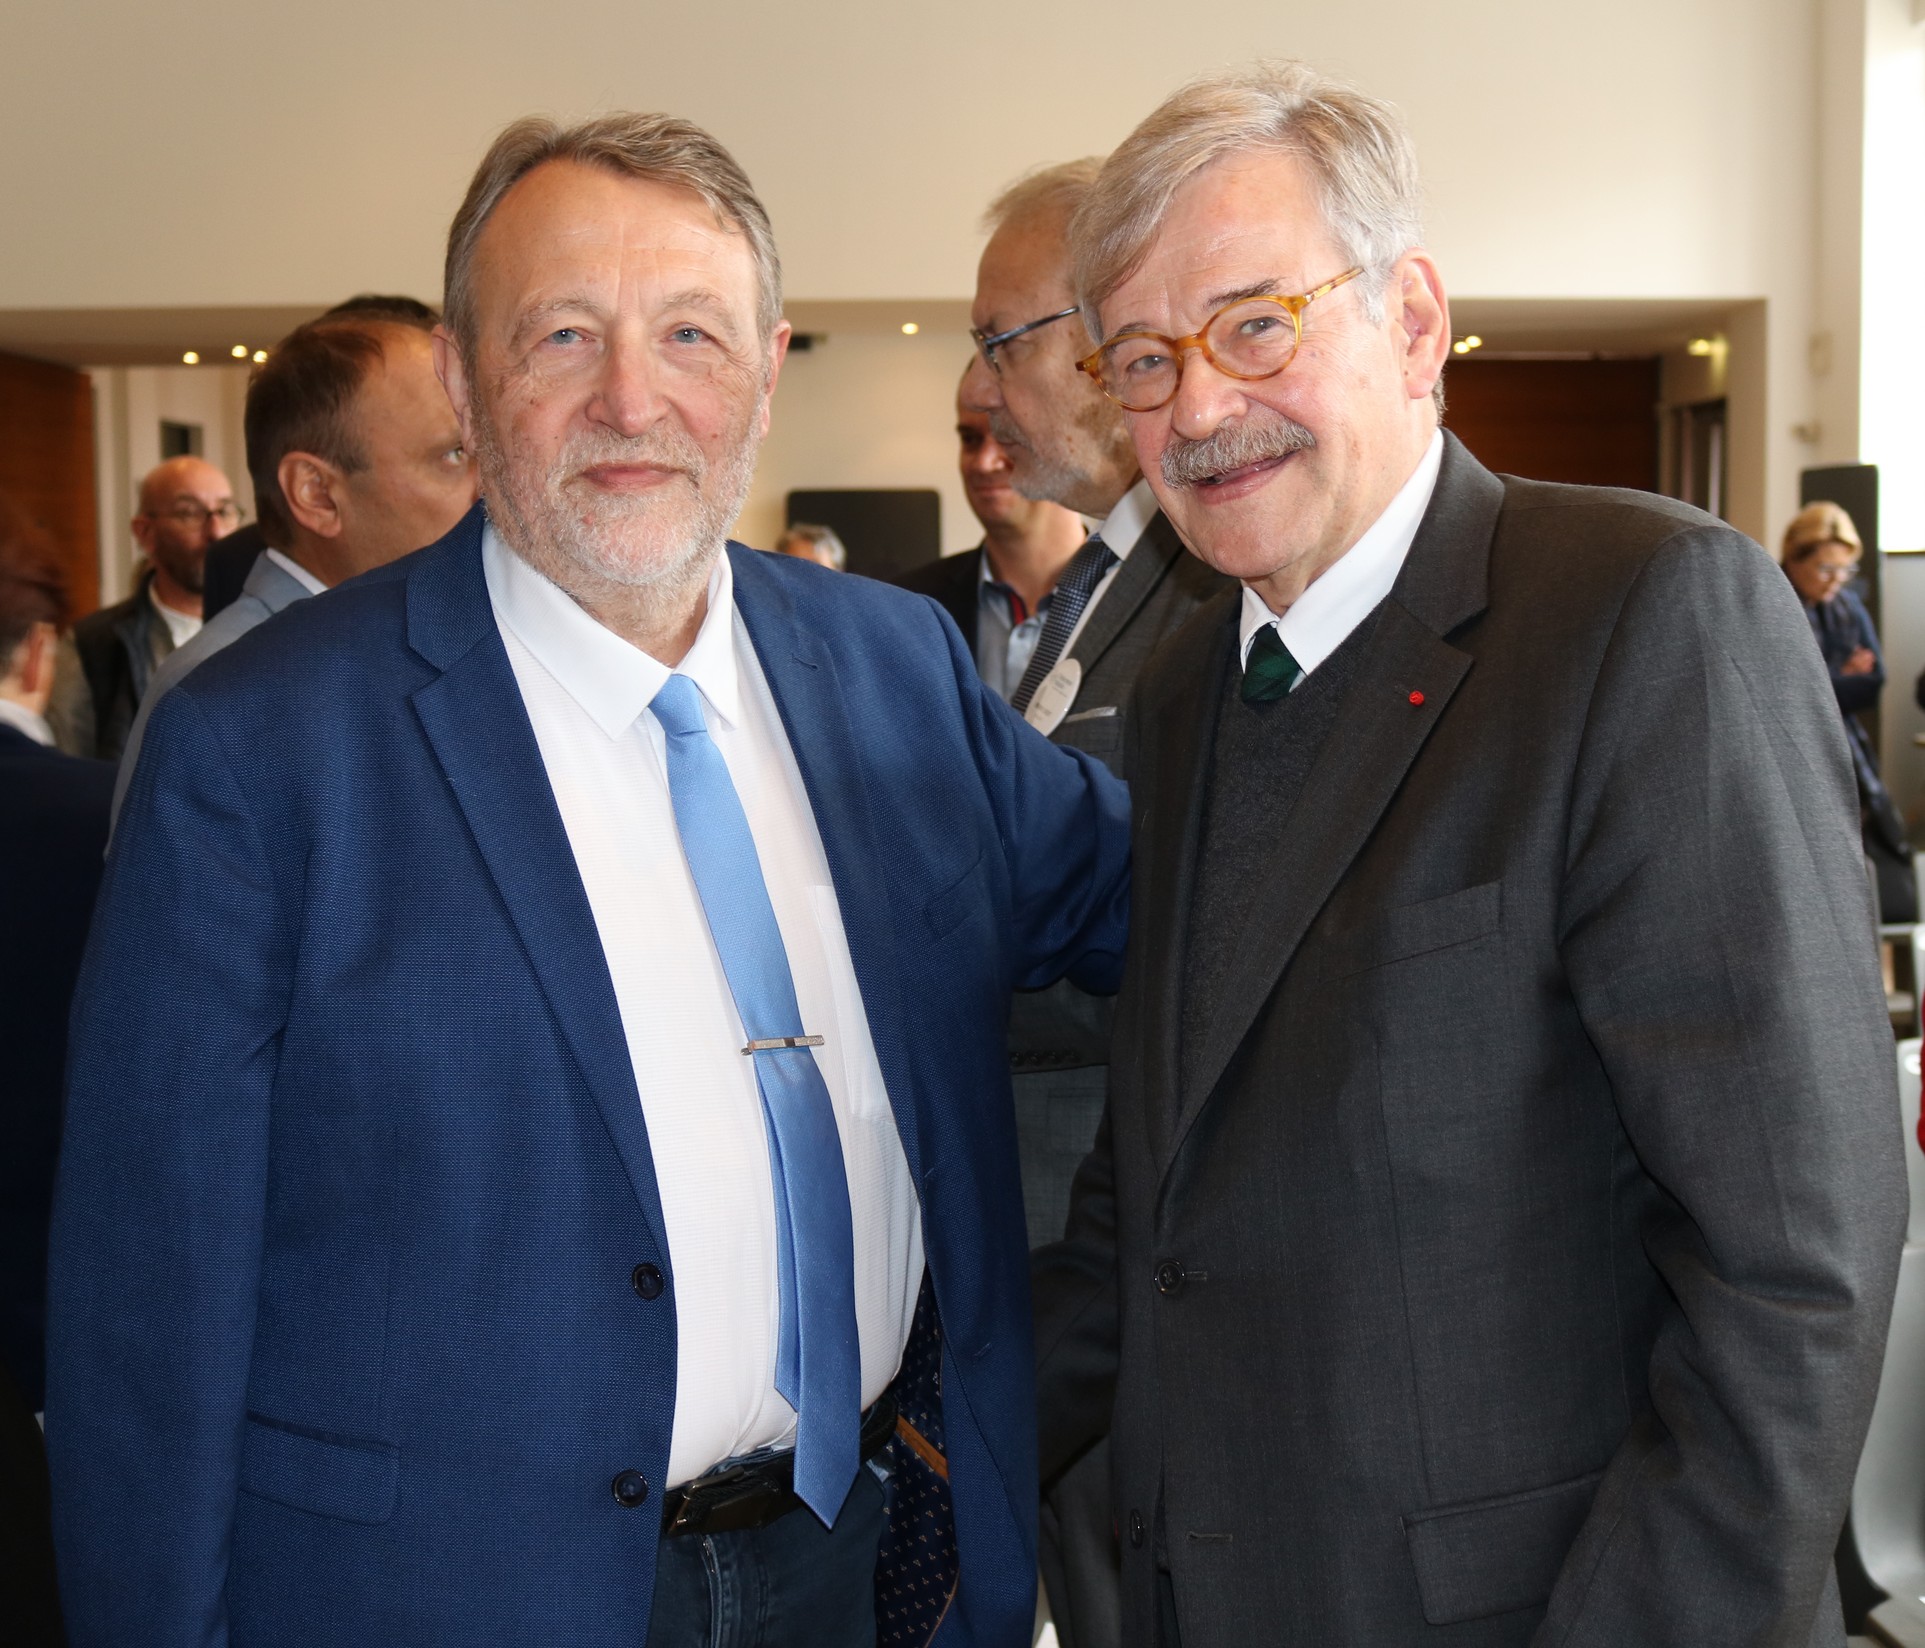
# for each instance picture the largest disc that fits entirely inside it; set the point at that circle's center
(793, 1584)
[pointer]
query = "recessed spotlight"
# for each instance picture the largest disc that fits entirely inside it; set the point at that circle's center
(1460, 347)
(1473, 342)
(239, 351)
(191, 358)
(1701, 347)
(259, 356)
(910, 329)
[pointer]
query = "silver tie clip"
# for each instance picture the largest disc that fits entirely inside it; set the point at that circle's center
(770, 1044)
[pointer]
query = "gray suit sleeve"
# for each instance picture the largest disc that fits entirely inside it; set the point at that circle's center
(1718, 935)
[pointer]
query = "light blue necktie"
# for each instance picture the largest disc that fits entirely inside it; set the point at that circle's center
(818, 1362)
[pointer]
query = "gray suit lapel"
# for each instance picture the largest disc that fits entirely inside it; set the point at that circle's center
(273, 585)
(1378, 734)
(1136, 579)
(1178, 707)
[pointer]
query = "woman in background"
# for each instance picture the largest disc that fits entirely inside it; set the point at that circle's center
(1821, 555)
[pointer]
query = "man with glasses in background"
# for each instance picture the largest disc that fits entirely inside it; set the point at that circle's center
(186, 504)
(1068, 664)
(1493, 1234)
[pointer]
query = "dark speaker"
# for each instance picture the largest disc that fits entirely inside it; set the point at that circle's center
(888, 530)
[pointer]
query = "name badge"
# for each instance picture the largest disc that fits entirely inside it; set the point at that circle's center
(1054, 697)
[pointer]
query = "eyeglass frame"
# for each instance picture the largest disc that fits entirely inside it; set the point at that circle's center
(229, 511)
(1292, 304)
(990, 342)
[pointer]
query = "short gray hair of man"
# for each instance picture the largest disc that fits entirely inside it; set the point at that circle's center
(658, 148)
(1357, 149)
(825, 538)
(1048, 191)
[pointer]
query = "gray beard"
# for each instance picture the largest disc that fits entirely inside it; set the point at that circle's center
(533, 513)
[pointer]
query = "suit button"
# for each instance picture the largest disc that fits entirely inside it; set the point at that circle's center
(1136, 1530)
(630, 1488)
(647, 1281)
(1170, 1277)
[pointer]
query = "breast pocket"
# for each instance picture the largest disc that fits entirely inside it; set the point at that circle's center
(1417, 930)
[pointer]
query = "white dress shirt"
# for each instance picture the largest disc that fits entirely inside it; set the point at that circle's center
(1333, 606)
(1120, 529)
(587, 693)
(22, 719)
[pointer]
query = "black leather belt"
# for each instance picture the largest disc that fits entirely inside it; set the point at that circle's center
(755, 1492)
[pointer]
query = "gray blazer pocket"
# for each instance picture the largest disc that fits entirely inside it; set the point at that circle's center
(342, 1477)
(948, 909)
(1417, 929)
(1493, 1555)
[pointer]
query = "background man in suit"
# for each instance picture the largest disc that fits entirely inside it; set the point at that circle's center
(599, 1089)
(1127, 587)
(53, 833)
(1026, 544)
(1493, 1233)
(224, 572)
(186, 504)
(356, 460)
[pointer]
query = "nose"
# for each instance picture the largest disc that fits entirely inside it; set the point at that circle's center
(628, 397)
(1205, 398)
(982, 390)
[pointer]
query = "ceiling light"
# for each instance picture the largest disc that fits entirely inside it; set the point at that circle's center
(239, 351)
(910, 329)
(1700, 347)
(1460, 347)
(1473, 342)
(259, 356)
(190, 359)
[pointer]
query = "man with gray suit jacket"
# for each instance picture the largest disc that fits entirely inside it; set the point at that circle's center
(1070, 671)
(356, 460)
(1492, 1236)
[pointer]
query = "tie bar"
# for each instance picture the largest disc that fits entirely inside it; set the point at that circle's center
(771, 1044)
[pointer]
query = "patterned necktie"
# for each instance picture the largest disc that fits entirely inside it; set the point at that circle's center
(818, 1365)
(1066, 602)
(1270, 672)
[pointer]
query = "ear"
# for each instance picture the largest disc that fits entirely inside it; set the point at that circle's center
(311, 487)
(453, 373)
(778, 353)
(34, 659)
(143, 531)
(1422, 311)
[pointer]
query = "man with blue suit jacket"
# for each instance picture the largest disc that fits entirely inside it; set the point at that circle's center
(593, 1170)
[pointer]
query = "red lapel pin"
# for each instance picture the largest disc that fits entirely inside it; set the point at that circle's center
(1416, 699)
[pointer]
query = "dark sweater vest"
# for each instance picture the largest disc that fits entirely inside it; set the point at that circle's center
(1260, 759)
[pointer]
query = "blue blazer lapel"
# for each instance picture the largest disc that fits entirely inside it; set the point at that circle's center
(474, 719)
(802, 677)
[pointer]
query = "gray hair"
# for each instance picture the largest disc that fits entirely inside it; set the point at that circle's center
(655, 147)
(1357, 150)
(1047, 191)
(825, 538)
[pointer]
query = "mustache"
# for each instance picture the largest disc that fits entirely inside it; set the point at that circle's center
(1232, 446)
(664, 446)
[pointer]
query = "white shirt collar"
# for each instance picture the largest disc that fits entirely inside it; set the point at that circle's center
(22, 718)
(1333, 606)
(297, 572)
(612, 680)
(1125, 523)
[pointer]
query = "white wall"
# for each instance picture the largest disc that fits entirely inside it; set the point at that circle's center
(867, 408)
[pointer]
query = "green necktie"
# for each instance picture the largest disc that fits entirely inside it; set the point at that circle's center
(1271, 671)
